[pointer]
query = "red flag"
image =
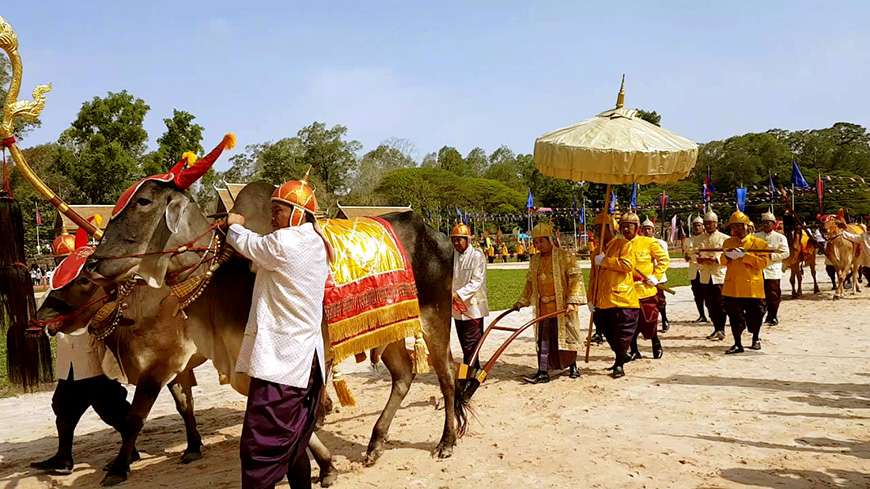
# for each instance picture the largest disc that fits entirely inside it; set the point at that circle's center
(820, 191)
(38, 217)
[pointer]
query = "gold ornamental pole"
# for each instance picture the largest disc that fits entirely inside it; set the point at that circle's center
(29, 110)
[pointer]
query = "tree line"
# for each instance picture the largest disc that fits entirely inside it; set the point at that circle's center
(105, 149)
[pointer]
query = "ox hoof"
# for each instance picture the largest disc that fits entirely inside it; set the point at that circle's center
(444, 450)
(836, 297)
(190, 456)
(372, 456)
(328, 476)
(113, 479)
(816, 290)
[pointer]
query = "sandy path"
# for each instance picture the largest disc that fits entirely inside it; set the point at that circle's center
(794, 415)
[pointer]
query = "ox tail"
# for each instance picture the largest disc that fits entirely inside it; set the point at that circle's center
(465, 389)
(28, 356)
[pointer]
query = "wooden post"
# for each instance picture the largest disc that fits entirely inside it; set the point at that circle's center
(594, 283)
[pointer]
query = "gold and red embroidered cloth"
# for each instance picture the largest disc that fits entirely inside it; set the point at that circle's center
(371, 296)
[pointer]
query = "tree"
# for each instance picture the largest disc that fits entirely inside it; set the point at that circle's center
(451, 160)
(331, 157)
(477, 162)
(105, 144)
(181, 135)
(652, 117)
(390, 155)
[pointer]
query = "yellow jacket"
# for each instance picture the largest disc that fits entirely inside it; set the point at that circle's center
(521, 250)
(744, 277)
(650, 259)
(615, 283)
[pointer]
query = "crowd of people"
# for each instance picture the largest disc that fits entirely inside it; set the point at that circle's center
(735, 278)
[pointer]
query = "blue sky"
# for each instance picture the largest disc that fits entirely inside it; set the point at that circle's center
(476, 73)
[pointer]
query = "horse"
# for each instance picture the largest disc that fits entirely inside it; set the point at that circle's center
(155, 346)
(161, 233)
(844, 253)
(802, 253)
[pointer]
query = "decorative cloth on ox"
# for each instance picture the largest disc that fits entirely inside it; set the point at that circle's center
(187, 171)
(371, 295)
(70, 267)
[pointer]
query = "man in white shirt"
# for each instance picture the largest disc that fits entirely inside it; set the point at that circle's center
(81, 384)
(773, 272)
(470, 303)
(712, 273)
(694, 242)
(282, 350)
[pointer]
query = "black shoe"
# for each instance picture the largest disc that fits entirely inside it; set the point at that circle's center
(635, 355)
(666, 325)
(540, 377)
(598, 338)
(618, 372)
(713, 335)
(720, 335)
(734, 349)
(701, 319)
(772, 321)
(55, 465)
(756, 345)
(573, 372)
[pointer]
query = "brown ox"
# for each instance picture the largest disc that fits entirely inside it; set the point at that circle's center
(846, 255)
(161, 218)
(154, 347)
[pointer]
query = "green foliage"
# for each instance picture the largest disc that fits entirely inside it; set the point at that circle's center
(652, 117)
(390, 155)
(451, 160)
(331, 157)
(433, 189)
(105, 145)
(181, 135)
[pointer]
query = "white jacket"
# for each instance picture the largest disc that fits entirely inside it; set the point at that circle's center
(778, 242)
(79, 353)
(469, 282)
(711, 273)
(284, 326)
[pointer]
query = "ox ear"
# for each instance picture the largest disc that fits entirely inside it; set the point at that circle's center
(175, 213)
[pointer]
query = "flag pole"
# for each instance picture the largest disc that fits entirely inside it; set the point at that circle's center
(38, 248)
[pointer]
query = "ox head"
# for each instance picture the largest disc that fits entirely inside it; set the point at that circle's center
(157, 218)
(72, 306)
(152, 217)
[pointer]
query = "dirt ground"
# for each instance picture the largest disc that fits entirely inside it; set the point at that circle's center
(794, 415)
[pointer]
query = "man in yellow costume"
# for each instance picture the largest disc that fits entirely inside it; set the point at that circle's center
(615, 305)
(743, 290)
(651, 262)
(554, 282)
(693, 243)
(505, 254)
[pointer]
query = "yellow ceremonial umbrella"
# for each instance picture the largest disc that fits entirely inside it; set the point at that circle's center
(615, 147)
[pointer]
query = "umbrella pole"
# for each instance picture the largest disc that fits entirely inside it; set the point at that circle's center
(594, 284)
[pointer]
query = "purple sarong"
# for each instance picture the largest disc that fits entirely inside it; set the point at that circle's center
(619, 326)
(279, 420)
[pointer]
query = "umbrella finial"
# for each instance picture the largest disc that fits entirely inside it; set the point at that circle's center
(620, 98)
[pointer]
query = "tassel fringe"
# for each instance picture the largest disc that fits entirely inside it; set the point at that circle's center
(375, 318)
(342, 390)
(421, 355)
(375, 339)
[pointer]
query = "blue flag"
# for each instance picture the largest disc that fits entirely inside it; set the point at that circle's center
(459, 214)
(530, 202)
(741, 199)
(797, 179)
(770, 186)
(633, 203)
(583, 215)
(612, 202)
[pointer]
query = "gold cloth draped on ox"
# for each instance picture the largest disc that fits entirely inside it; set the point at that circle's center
(371, 295)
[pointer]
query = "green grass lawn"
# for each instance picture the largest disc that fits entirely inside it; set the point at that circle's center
(505, 286)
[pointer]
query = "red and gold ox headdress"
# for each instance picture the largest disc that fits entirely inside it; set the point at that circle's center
(187, 171)
(298, 194)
